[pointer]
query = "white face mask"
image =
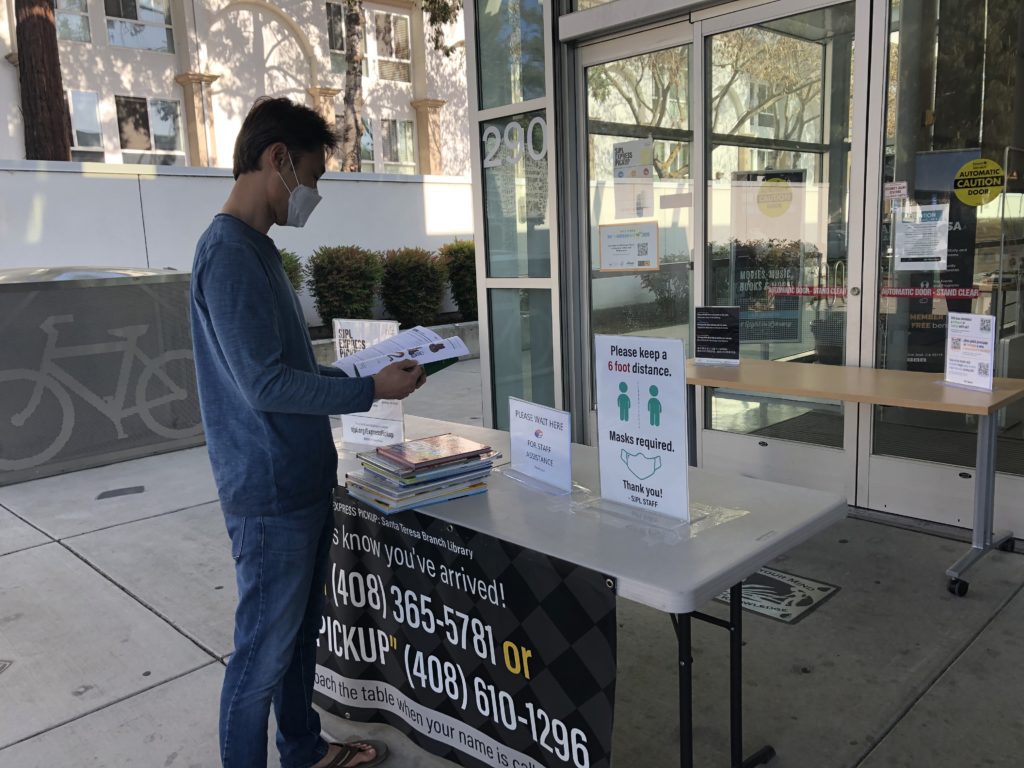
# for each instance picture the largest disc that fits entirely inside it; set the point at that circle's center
(641, 466)
(301, 200)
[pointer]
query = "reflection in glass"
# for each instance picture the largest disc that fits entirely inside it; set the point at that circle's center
(165, 122)
(130, 35)
(511, 45)
(73, 26)
(939, 57)
(515, 161)
(779, 122)
(85, 119)
(521, 334)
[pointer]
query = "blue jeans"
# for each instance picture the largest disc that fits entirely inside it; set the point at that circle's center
(280, 567)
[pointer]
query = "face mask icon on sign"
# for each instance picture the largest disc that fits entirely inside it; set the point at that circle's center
(641, 466)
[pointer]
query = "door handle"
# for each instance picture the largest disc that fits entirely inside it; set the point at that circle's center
(855, 291)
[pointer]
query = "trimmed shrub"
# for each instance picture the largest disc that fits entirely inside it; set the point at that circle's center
(344, 280)
(413, 286)
(292, 267)
(459, 258)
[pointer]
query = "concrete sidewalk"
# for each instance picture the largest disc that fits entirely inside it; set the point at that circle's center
(116, 615)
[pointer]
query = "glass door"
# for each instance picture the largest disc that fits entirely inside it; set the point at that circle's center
(783, 139)
(953, 132)
(637, 148)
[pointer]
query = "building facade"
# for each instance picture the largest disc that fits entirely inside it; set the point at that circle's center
(168, 82)
(788, 155)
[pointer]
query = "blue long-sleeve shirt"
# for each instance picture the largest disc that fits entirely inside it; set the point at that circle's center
(265, 402)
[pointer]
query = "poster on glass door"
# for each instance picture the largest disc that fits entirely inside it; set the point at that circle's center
(633, 173)
(641, 420)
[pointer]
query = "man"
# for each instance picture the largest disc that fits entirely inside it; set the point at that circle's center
(265, 405)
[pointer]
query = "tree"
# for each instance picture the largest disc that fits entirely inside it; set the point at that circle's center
(438, 14)
(43, 106)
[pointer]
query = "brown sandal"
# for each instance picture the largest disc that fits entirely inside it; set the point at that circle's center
(350, 750)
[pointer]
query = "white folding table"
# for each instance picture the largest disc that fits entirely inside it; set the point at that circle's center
(740, 524)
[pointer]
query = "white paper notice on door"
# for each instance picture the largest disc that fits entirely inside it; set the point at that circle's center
(633, 168)
(922, 237)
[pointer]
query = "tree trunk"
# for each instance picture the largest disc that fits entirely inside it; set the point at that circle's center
(352, 120)
(43, 105)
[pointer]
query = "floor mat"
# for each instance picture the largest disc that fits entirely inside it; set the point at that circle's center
(782, 596)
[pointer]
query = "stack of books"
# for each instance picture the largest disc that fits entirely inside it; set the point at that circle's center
(421, 472)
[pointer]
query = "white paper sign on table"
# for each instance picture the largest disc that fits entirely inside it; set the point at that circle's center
(641, 417)
(384, 423)
(970, 350)
(541, 446)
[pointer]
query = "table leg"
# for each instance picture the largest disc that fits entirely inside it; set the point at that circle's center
(735, 627)
(691, 423)
(983, 539)
(683, 635)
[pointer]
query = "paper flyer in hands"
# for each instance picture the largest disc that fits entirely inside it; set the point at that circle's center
(418, 344)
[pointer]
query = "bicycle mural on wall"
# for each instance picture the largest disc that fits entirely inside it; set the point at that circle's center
(40, 408)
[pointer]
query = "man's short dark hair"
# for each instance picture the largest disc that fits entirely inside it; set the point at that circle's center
(270, 121)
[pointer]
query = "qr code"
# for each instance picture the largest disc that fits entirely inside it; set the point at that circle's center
(983, 369)
(641, 249)
(956, 343)
(986, 324)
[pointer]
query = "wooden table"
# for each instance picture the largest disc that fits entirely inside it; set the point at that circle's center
(904, 389)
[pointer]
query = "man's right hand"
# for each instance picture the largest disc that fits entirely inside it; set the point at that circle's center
(397, 381)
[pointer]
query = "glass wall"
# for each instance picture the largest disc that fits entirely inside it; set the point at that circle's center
(954, 119)
(510, 51)
(515, 172)
(513, 182)
(779, 101)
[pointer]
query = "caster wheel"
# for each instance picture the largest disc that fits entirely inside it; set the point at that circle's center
(1010, 545)
(957, 587)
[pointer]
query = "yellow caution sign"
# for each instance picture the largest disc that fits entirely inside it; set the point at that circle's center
(979, 182)
(775, 197)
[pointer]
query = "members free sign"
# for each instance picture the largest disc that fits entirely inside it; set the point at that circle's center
(641, 412)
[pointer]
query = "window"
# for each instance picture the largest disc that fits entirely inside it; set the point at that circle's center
(144, 24)
(73, 20)
(761, 94)
(84, 126)
(394, 53)
(336, 39)
(150, 131)
(366, 160)
(398, 147)
(336, 36)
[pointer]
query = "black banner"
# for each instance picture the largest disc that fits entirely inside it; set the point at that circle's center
(483, 652)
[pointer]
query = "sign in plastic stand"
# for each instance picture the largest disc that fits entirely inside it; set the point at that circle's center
(541, 447)
(641, 417)
(384, 423)
(717, 335)
(970, 350)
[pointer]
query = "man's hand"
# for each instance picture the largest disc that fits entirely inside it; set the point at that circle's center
(398, 380)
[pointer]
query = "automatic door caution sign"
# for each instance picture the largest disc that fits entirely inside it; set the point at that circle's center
(979, 182)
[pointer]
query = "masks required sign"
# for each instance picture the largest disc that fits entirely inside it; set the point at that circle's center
(641, 413)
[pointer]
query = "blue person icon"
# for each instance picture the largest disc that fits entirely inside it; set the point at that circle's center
(654, 407)
(623, 402)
